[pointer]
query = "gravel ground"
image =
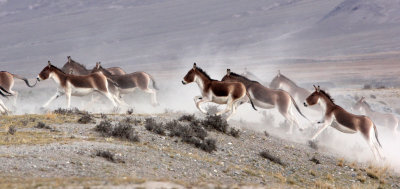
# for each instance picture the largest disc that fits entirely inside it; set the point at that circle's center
(66, 157)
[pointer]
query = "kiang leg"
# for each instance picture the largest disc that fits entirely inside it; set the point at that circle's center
(326, 123)
(3, 108)
(198, 104)
(58, 94)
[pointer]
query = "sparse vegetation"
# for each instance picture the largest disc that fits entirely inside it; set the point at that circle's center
(108, 156)
(85, 119)
(267, 155)
(74, 111)
(188, 117)
(234, 132)
(153, 126)
(340, 162)
(41, 125)
(104, 127)
(214, 122)
(12, 130)
(121, 130)
(125, 131)
(193, 133)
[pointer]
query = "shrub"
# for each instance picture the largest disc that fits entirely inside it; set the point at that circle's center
(108, 156)
(41, 125)
(209, 145)
(214, 122)
(187, 117)
(153, 126)
(74, 111)
(125, 131)
(104, 127)
(267, 155)
(12, 130)
(193, 134)
(85, 119)
(234, 132)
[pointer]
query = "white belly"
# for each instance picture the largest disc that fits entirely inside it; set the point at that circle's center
(81, 91)
(220, 99)
(341, 127)
(261, 104)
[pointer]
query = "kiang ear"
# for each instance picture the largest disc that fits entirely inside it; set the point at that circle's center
(49, 63)
(228, 71)
(279, 73)
(194, 66)
(69, 59)
(362, 99)
(318, 88)
(97, 65)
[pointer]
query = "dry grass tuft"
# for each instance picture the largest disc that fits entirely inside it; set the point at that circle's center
(280, 177)
(377, 173)
(323, 185)
(340, 162)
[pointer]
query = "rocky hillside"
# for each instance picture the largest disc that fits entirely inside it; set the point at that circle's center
(76, 149)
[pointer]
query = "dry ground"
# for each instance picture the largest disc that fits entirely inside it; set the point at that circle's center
(64, 155)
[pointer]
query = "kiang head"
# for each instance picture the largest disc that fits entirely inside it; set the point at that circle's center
(97, 68)
(45, 73)
(314, 97)
(190, 76)
(276, 81)
(228, 76)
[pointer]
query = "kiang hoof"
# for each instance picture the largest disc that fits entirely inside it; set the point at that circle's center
(313, 145)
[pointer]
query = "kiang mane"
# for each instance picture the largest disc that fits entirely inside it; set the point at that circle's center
(327, 95)
(57, 69)
(79, 64)
(286, 79)
(204, 73)
(105, 71)
(242, 77)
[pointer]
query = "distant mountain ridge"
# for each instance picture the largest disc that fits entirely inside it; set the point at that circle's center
(365, 12)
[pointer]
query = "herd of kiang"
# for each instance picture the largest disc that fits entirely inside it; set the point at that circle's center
(74, 79)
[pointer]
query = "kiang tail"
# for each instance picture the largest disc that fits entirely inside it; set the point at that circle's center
(252, 104)
(297, 108)
(24, 79)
